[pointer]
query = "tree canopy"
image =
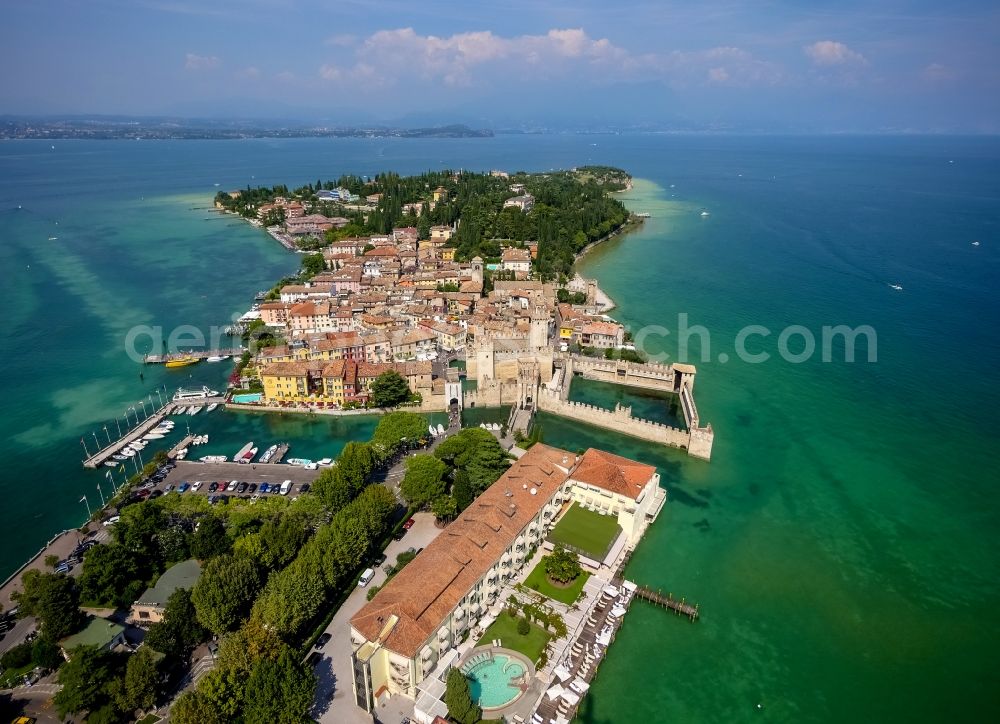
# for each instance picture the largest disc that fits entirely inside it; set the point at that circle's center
(395, 428)
(424, 479)
(458, 699)
(389, 389)
(53, 599)
(562, 565)
(179, 631)
(225, 592)
(476, 453)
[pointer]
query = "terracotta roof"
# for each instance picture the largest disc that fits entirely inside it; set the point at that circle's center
(424, 593)
(613, 472)
(287, 369)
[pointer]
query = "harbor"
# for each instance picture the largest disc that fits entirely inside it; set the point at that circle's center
(182, 359)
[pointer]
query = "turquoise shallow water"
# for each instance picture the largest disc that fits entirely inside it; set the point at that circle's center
(842, 542)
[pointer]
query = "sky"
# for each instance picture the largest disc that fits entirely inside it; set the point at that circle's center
(780, 65)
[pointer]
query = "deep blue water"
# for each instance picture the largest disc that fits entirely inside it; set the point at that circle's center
(842, 542)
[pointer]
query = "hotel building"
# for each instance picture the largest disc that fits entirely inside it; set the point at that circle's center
(412, 625)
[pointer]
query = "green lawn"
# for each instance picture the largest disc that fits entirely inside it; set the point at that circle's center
(505, 629)
(586, 530)
(538, 581)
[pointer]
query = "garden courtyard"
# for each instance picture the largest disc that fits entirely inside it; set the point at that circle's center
(505, 628)
(539, 581)
(585, 531)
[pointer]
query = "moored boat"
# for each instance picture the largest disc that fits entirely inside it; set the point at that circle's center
(325, 461)
(243, 451)
(213, 459)
(211, 407)
(432, 431)
(299, 461)
(194, 409)
(248, 456)
(440, 429)
(153, 436)
(183, 361)
(268, 454)
(217, 358)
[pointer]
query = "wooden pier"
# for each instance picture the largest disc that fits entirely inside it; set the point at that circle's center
(199, 354)
(279, 454)
(186, 442)
(681, 607)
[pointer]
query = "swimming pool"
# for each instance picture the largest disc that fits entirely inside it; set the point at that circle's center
(248, 397)
(495, 679)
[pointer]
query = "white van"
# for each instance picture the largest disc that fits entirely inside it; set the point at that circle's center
(366, 577)
(285, 487)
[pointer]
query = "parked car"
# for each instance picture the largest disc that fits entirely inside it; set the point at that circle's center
(241, 488)
(112, 520)
(155, 494)
(408, 524)
(305, 488)
(323, 640)
(170, 486)
(285, 487)
(212, 487)
(185, 486)
(264, 487)
(366, 577)
(196, 486)
(379, 560)
(252, 488)
(314, 658)
(232, 485)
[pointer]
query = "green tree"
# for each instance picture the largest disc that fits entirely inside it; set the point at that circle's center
(335, 490)
(142, 681)
(46, 654)
(193, 707)
(424, 479)
(224, 690)
(138, 529)
(210, 539)
(374, 508)
(281, 540)
(477, 453)
(179, 631)
(523, 626)
(85, 680)
(16, 656)
(458, 699)
(389, 389)
(252, 642)
(562, 565)
(461, 490)
(313, 264)
(225, 592)
(279, 691)
(290, 599)
(444, 507)
(395, 428)
(51, 560)
(173, 542)
(355, 463)
(53, 599)
(113, 575)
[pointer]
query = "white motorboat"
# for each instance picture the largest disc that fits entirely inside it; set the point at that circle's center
(482, 425)
(440, 429)
(153, 436)
(194, 409)
(217, 358)
(975, 243)
(299, 461)
(268, 454)
(432, 431)
(137, 444)
(211, 407)
(243, 451)
(325, 461)
(248, 456)
(897, 287)
(213, 459)
(704, 213)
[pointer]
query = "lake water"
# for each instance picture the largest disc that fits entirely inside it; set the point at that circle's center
(842, 542)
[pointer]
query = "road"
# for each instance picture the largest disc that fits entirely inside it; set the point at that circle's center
(334, 691)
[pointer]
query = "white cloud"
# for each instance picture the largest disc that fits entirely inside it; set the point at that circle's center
(936, 72)
(831, 52)
(193, 61)
(402, 55)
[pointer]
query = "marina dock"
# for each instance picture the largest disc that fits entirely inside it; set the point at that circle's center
(197, 354)
(280, 453)
(105, 453)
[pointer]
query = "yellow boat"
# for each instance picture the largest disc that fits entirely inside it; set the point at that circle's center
(182, 361)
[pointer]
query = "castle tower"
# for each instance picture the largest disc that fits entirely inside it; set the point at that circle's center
(528, 380)
(483, 349)
(477, 269)
(591, 292)
(539, 335)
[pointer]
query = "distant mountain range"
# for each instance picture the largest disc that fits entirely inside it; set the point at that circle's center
(113, 127)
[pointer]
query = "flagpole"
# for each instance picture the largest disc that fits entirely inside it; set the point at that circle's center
(101, 492)
(84, 500)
